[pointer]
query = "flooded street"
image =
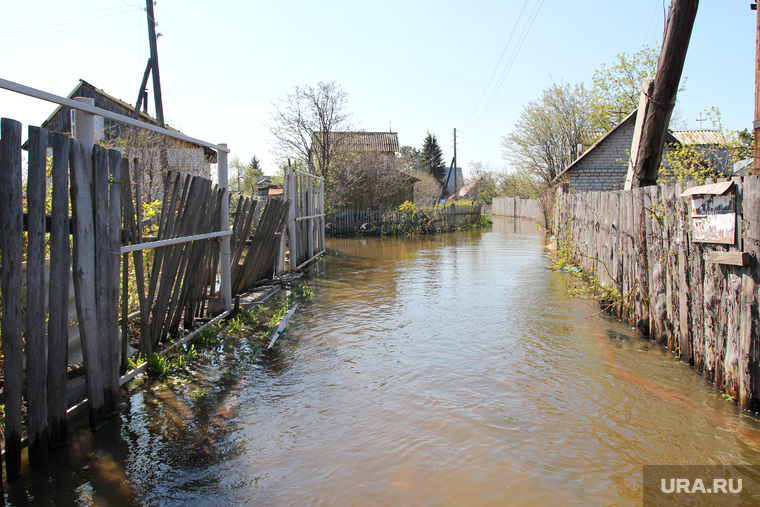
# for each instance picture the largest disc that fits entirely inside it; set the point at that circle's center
(442, 370)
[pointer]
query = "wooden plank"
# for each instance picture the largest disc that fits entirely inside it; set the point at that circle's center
(684, 295)
(58, 306)
(103, 270)
(729, 258)
(727, 376)
(84, 281)
(749, 348)
(696, 284)
(11, 225)
(114, 247)
(36, 339)
(658, 312)
(641, 311)
(670, 246)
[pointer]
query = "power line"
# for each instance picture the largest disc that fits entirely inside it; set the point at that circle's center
(513, 57)
(498, 65)
(56, 25)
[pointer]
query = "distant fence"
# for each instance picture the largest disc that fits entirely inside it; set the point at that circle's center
(517, 208)
(432, 219)
(698, 299)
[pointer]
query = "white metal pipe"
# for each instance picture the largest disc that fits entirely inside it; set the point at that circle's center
(225, 256)
(49, 97)
(174, 241)
(83, 129)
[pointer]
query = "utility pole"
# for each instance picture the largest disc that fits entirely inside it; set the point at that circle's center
(455, 165)
(141, 98)
(663, 97)
(756, 124)
(154, 67)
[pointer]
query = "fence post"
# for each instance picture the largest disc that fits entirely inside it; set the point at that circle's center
(225, 285)
(83, 128)
(292, 193)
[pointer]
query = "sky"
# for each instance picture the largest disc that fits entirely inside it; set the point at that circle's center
(410, 66)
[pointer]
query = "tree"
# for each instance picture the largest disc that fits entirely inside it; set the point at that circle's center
(432, 158)
(552, 131)
(304, 121)
(617, 88)
(410, 160)
(246, 176)
(691, 161)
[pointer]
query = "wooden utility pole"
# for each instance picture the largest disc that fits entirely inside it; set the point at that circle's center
(141, 98)
(455, 166)
(154, 59)
(663, 98)
(756, 125)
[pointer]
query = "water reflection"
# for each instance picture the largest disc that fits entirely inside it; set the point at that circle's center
(448, 369)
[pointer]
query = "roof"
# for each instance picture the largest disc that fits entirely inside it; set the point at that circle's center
(699, 136)
(208, 152)
(143, 116)
(669, 138)
(382, 142)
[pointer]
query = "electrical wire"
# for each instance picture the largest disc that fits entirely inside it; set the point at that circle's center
(56, 25)
(512, 58)
(498, 65)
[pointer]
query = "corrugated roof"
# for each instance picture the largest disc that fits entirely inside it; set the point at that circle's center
(362, 142)
(699, 136)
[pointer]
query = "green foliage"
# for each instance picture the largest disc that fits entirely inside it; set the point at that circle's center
(244, 177)
(409, 209)
(617, 88)
(432, 157)
(550, 132)
(696, 162)
(158, 367)
(208, 338)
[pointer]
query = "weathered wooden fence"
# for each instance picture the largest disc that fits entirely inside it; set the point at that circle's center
(516, 207)
(190, 259)
(432, 219)
(306, 218)
(686, 295)
(258, 226)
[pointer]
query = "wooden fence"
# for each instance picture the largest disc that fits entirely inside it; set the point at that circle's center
(306, 218)
(516, 207)
(190, 269)
(688, 296)
(433, 219)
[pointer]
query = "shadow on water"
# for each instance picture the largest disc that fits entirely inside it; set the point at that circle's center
(449, 369)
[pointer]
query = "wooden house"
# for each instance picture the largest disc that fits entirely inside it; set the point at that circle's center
(365, 171)
(188, 158)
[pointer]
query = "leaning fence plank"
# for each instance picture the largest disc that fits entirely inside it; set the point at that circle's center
(749, 362)
(58, 306)
(10, 247)
(36, 340)
(84, 281)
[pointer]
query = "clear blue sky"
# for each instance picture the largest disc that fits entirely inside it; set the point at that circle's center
(410, 66)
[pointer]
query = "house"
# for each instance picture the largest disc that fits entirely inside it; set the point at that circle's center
(265, 187)
(604, 165)
(183, 156)
(364, 171)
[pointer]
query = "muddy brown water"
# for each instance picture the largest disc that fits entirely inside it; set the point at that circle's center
(442, 370)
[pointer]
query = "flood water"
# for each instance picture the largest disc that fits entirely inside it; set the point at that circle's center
(443, 370)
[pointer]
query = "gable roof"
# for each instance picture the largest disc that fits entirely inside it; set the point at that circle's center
(362, 142)
(83, 88)
(84, 84)
(669, 138)
(700, 137)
